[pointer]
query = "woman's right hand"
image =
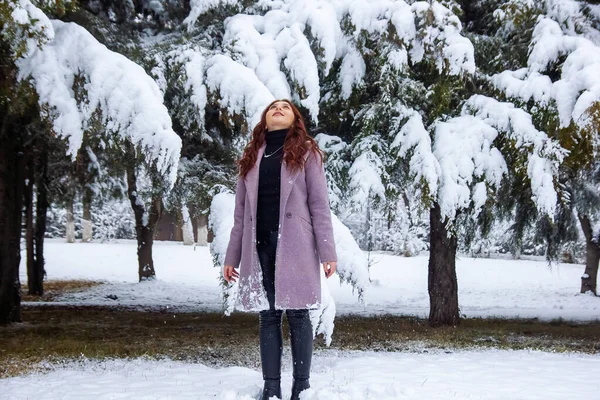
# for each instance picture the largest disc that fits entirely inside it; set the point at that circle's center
(230, 274)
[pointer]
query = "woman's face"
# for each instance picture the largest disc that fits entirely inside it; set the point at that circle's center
(279, 116)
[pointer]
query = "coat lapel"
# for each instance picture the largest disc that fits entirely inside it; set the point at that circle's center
(287, 183)
(252, 182)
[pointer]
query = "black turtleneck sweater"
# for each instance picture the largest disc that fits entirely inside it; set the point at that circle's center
(269, 182)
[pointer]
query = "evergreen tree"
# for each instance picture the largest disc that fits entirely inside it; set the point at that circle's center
(396, 81)
(554, 76)
(58, 72)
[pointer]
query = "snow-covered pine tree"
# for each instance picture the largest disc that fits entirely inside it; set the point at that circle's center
(47, 61)
(399, 75)
(452, 145)
(22, 26)
(212, 135)
(555, 77)
(416, 102)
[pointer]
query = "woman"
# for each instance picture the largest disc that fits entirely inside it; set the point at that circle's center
(282, 227)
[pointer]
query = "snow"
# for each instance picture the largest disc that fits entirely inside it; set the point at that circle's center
(274, 48)
(352, 71)
(366, 173)
(543, 154)
(322, 318)
(462, 155)
(194, 69)
(20, 15)
(187, 228)
(413, 135)
(220, 221)
(352, 264)
(482, 375)
(187, 281)
(28, 23)
(463, 146)
(244, 95)
(457, 53)
(130, 101)
(579, 85)
(265, 43)
(199, 7)
(335, 149)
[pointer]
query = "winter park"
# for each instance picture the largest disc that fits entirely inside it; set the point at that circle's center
(414, 184)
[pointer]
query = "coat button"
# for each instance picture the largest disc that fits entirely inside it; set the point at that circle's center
(289, 215)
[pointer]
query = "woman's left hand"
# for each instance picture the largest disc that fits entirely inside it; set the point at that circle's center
(329, 268)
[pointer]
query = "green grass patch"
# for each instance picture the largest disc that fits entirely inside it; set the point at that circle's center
(55, 333)
(53, 288)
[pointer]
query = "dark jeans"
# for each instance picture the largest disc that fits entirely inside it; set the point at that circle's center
(266, 246)
(271, 341)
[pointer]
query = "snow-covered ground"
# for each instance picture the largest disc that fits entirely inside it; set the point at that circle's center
(188, 281)
(502, 375)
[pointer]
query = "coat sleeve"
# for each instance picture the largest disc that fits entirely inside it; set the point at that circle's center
(318, 205)
(234, 248)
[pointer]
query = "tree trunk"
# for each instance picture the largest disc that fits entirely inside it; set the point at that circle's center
(87, 232)
(70, 220)
(202, 230)
(442, 285)
(41, 208)
(12, 182)
(592, 257)
(145, 223)
(29, 236)
(187, 229)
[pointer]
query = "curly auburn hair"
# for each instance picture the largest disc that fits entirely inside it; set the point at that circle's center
(297, 142)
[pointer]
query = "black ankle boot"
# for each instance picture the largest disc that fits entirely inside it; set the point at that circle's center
(298, 387)
(272, 388)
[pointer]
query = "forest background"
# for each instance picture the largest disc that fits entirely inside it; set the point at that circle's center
(449, 126)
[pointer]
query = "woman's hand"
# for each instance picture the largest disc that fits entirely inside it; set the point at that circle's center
(230, 274)
(329, 268)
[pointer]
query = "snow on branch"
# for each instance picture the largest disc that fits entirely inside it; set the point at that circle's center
(130, 102)
(238, 87)
(265, 43)
(424, 29)
(235, 87)
(293, 43)
(336, 167)
(413, 136)
(352, 266)
(367, 171)
(199, 7)
(579, 85)
(190, 64)
(461, 162)
(543, 154)
(440, 36)
(573, 16)
(26, 29)
(463, 148)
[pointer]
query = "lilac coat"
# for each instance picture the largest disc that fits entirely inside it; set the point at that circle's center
(305, 236)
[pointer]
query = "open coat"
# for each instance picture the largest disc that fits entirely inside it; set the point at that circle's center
(305, 236)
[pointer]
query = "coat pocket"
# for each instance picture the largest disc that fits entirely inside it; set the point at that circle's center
(306, 224)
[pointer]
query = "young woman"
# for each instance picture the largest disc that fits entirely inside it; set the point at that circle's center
(282, 229)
